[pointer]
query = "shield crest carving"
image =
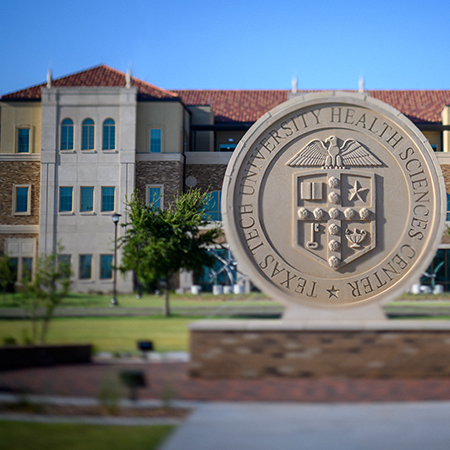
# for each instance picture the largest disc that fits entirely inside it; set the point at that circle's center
(334, 215)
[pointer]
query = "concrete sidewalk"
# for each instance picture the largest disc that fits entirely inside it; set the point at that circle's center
(283, 426)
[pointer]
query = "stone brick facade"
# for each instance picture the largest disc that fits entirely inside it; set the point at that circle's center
(446, 172)
(209, 176)
(253, 351)
(13, 173)
(168, 173)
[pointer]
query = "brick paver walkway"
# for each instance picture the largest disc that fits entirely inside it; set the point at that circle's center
(85, 381)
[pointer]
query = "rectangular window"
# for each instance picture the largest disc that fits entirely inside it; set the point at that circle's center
(65, 199)
(65, 264)
(155, 140)
(227, 147)
(106, 267)
(87, 199)
(85, 267)
(108, 198)
(155, 196)
(213, 212)
(27, 268)
(448, 208)
(21, 199)
(14, 267)
(23, 140)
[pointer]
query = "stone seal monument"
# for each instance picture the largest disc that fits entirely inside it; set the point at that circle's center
(333, 203)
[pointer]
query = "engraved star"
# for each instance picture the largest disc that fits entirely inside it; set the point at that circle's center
(333, 292)
(356, 191)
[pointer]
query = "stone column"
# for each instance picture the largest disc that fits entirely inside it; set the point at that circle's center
(47, 215)
(445, 114)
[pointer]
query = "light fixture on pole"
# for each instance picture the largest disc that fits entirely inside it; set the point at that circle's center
(115, 219)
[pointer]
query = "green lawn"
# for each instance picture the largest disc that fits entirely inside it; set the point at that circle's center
(119, 334)
(75, 300)
(45, 436)
(114, 334)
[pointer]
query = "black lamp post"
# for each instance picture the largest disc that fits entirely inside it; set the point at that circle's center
(115, 219)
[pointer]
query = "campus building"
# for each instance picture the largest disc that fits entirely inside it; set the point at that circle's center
(72, 149)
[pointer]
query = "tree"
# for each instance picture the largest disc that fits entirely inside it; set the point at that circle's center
(158, 243)
(45, 291)
(7, 274)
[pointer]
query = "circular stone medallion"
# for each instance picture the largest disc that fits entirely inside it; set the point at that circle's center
(371, 174)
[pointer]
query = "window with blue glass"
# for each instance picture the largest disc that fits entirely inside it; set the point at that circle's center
(87, 135)
(23, 145)
(65, 264)
(222, 272)
(14, 267)
(65, 199)
(27, 268)
(85, 272)
(108, 198)
(448, 208)
(155, 140)
(106, 272)
(86, 199)
(22, 200)
(67, 134)
(438, 273)
(227, 147)
(155, 196)
(109, 134)
(213, 212)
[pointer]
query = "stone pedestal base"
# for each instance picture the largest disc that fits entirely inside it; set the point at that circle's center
(376, 349)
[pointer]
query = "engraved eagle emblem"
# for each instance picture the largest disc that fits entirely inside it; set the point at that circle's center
(318, 153)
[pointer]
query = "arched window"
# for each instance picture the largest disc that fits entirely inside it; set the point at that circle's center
(88, 133)
(67, 134)
(109, 134)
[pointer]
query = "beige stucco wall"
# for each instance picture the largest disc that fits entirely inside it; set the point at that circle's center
(203, 140)
(434, 138)
(169, 117)
(20, 114)
(445, 114)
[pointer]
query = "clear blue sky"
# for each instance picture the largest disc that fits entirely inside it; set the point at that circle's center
(245, 44)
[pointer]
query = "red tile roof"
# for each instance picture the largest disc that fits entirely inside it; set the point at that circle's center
(239, 105)
(235, 106)
(248, 106)
(419, 106)
(97, 76)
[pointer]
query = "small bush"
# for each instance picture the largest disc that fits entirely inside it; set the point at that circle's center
(9, 340)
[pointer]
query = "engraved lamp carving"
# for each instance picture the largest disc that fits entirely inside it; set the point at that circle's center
(355, 237)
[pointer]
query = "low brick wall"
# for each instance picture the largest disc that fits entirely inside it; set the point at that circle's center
(18, 356)
(256, 349)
